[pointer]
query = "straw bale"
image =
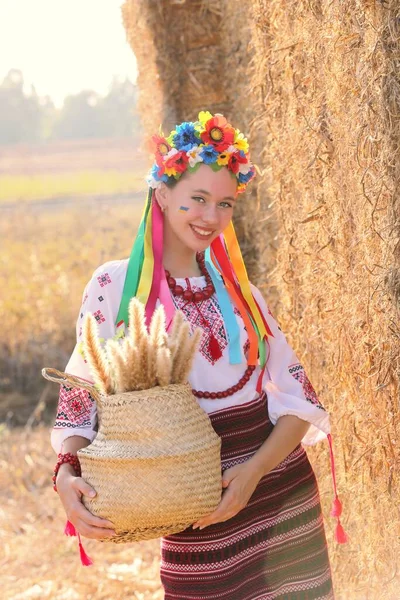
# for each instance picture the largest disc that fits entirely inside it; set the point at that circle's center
(326, 77)
(177, 47)
(315, 84)
(194, 55)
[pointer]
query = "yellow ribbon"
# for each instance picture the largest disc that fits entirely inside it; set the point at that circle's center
(236, 259)
(146, 278)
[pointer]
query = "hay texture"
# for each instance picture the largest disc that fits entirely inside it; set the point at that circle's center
(328, 85)
(316, 86)
(194, 55)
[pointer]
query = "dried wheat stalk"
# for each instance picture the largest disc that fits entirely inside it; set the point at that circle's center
(163, 366)
(95, 355)
(180, 343)
(137, 321)
(141, 360)
(188, 357)
(120, 369)
(131, 353)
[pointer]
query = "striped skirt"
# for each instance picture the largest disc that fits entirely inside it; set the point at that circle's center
(274, 548)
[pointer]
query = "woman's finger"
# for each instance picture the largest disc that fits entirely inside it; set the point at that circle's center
(95, 533)
(79, 511)
(82, 486)
(224, 508)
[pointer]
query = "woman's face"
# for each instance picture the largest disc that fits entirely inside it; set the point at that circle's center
(199, 207)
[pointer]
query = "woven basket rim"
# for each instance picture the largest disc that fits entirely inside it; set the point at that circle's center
(153, 391)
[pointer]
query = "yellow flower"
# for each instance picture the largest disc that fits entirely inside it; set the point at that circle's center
(170, 138)
(170, 171)
(223, 159)
(204, 116)
(240, 142)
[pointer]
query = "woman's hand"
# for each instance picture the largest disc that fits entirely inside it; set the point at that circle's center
(71, 489)
(240, 481)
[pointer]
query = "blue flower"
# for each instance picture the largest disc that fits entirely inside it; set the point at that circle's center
(185, 137)
(246, 178)
(209, 154)
(154, 171)
(155, 174)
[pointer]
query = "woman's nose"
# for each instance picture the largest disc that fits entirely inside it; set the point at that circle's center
(210, 215)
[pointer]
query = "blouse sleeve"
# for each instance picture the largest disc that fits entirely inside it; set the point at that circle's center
(76, 411)
(288, 388)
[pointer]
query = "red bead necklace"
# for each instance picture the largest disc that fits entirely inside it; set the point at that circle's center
(200, 296)
(230, 391)
(188, 294)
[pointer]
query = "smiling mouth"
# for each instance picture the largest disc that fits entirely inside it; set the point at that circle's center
(204, 233)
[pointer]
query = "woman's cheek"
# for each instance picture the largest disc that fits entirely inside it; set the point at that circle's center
(227, 217)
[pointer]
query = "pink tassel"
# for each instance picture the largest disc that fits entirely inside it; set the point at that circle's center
(85, 559)
(340, 534)
(69, 528)
(336, 508)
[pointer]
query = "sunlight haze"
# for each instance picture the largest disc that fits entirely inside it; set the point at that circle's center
(65, 47)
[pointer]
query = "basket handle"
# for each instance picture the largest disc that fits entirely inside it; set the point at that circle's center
(76, 382)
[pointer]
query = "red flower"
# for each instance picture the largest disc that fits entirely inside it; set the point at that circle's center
(178, 161)
(160, 148)
(161, 169)
(235, 160)
(218, 133)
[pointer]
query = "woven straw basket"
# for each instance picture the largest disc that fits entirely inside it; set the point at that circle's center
(155, 462)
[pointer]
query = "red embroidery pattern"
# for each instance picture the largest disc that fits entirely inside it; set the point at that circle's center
(74, 406)
(298, 372)
(104, 279)
(209, 309)
(98, 315)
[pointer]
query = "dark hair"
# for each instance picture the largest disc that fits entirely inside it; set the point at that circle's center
(171, 183)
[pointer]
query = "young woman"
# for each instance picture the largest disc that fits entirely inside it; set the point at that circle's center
(266, 538)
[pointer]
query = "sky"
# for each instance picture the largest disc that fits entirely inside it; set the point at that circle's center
(65, 46)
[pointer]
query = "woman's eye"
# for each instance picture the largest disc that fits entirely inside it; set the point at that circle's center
(222, 204)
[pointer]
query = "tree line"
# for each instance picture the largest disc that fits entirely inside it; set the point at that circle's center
(27, 117)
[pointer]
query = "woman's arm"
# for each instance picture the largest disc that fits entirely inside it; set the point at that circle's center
(71, 489)
(241, 480)
(284, 438)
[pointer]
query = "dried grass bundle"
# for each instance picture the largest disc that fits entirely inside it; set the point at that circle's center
(141, 360)
(95, 355)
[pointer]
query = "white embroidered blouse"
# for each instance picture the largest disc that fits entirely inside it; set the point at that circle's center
(288, 388)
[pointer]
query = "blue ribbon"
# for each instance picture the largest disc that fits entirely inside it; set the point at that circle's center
(230, 321)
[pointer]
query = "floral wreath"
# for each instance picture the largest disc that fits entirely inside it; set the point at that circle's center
(210, 140)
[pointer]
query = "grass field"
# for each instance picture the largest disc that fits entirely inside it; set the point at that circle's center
(26, 188)
(47, 258)
(71, 169)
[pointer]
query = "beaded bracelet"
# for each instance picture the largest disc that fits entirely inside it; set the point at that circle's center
(72, 459)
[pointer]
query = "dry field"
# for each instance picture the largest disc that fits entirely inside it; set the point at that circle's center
(37, 560)
(71, 169)
(49, 250)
